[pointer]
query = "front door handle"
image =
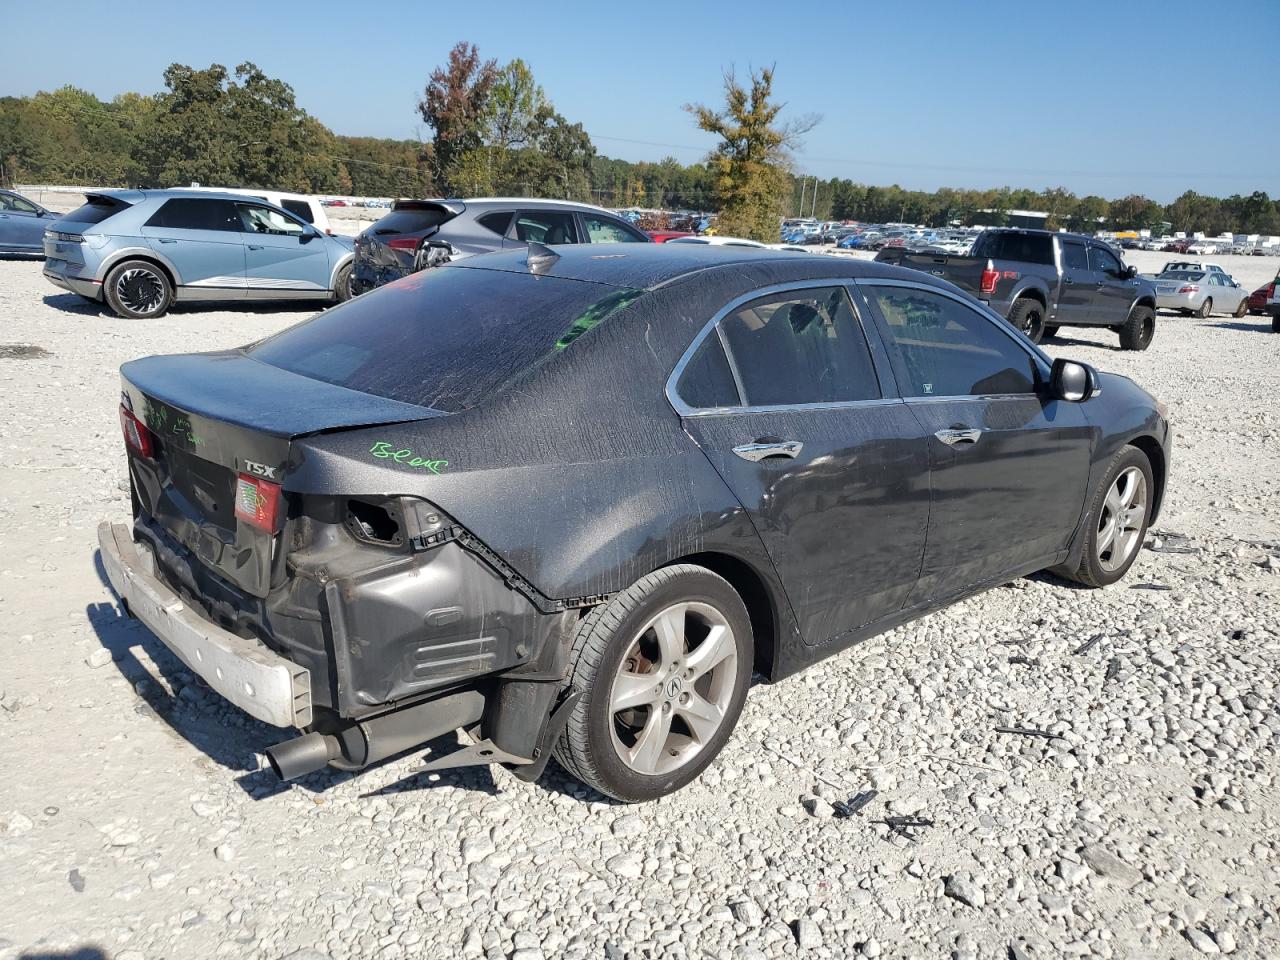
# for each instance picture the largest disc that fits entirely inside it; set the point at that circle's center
(955, 437)
(755, 452)
(163, 240)
(252, 247)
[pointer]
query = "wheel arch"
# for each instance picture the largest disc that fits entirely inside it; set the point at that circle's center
(762, 607)
(1031, 292)
(1150, 446)
(146, 256)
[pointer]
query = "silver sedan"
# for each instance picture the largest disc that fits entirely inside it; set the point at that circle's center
(1201, 293)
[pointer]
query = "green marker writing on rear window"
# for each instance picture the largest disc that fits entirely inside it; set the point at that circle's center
(386, 451)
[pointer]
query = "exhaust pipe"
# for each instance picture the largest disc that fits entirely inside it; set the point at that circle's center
(366, 742)
(302, 755)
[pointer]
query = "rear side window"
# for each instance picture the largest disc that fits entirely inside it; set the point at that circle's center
(97, 210)
(1025, 247)
(496, 222)
(187, 213)
(1073, 255)
(300, 209)
(707, 380)
(801, 347)
(412, 219)
(544, 226)
(447, 338)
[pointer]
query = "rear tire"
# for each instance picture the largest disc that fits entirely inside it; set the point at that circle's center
(1137, 332)
(1242, 309)
(1112, 522)
(1027, 315)
(138, 290)
(1275, 323)
(1206, 308)
(603, 744)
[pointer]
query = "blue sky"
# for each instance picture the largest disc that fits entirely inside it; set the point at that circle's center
(1099, 97)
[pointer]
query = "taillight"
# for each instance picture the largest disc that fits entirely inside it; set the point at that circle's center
(1189, 289)
(257, 502)
(989, 277)
(136, 434)
(403, 243)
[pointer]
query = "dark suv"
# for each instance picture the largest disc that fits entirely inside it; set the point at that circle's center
(425, 233)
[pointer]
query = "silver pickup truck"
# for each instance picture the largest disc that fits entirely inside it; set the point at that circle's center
(1040, 281)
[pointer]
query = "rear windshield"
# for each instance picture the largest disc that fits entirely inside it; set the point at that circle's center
(96, 210)
(1024, 247)
(412, 220)
(1181, 275)
(446, 338)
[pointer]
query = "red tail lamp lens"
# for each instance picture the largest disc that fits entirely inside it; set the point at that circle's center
(136, 434)
(257, 502)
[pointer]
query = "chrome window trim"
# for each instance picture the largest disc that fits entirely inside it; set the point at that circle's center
(684, 410)
(1043, 364)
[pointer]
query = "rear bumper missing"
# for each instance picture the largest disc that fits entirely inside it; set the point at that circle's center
(259, 681)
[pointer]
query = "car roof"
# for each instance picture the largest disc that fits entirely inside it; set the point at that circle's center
(534, 203)
(646, 266)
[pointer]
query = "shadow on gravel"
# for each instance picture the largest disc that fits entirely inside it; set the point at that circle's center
(1053, 580)
(76, 953)
(74, 303)
(1261, 325)
(1058, 339)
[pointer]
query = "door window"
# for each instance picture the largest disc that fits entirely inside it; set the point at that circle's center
(1073, 256)
(544, 226)
(707, 380)
(16, 204)
(949, 349)
(804, 346)
(299, 208)
(255, 219)
(1104, 262)
(603, 230)
(189, 213)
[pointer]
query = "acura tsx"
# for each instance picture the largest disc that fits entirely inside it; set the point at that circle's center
(568, 501)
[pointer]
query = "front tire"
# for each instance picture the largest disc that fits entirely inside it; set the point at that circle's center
(138, 290)
(1275, 323)
(1117, 523)
(1051, 330)
(1137, 332)
(1206, 308)
(661, 671)
(342, 291)
(1027, 315)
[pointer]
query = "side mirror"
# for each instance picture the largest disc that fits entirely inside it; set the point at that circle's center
(309, 234)
(1071, 381)
(1130, 272)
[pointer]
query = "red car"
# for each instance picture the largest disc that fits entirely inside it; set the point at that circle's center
(662, 236)
(1258, 299)
(1178, 246)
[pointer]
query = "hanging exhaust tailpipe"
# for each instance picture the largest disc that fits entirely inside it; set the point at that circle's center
(368, 741)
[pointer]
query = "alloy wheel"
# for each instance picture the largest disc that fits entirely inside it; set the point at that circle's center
(673, 688)
(1120, 524)
(140, 291)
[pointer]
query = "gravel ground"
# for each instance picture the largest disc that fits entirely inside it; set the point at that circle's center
(137, 821)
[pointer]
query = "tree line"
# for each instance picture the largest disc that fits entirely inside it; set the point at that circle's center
(494, 131)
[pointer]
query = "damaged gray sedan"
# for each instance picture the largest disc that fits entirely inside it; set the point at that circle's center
(570, 501)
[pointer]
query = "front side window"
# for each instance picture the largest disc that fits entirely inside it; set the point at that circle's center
(188, 213)
(803, 346)
(1104, 261)
(17, 204)
(255, 219)
(948, 349)
(543, 226)
(603, 230)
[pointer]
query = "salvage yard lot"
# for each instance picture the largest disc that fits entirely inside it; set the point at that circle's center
(138, 819)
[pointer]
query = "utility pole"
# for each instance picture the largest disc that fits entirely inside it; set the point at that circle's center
(802, 182)
(813, 210)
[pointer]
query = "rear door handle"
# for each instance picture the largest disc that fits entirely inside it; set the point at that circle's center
(253, 247)
(954, 437)
(163, 240)
(755, 452)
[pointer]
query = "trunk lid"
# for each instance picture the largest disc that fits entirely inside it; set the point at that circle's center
(217, 417)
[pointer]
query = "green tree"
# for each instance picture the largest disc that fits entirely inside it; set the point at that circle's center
(752, 160)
